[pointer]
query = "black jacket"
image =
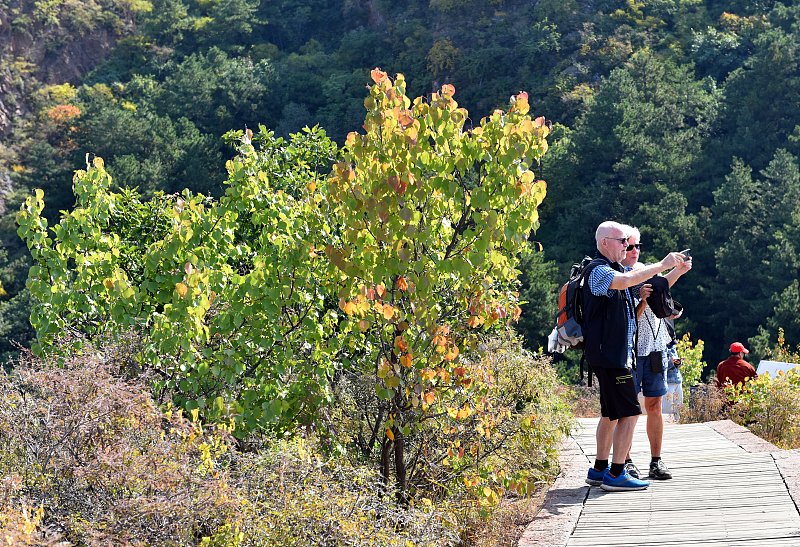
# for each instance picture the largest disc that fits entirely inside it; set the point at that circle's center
(605, 322)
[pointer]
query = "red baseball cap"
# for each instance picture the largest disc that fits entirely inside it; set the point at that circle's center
(736, 347)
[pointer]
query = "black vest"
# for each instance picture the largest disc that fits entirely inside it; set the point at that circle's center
(605, 322)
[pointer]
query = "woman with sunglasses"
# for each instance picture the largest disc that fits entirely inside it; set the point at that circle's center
(650, 376)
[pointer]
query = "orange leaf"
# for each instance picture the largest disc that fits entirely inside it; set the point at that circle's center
(388, 312)
(539, 122)
(452, 354)
(397, 184)
(448, 90)
(428, 374)
(378, 75)
(429, 398)
(402, 284)
(405, 118)
(390, 434)
(381, 290)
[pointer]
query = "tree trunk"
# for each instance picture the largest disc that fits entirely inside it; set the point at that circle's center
(400, 465)
(386, 460)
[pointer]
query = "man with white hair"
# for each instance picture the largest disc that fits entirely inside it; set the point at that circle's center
(609, 330)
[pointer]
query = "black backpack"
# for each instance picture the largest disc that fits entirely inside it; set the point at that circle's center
(568, 327)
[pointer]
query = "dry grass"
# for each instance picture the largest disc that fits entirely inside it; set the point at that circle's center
(705, 404)
(504, 527)
(583, 400)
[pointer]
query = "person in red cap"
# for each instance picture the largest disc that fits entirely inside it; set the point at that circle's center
(735, 369)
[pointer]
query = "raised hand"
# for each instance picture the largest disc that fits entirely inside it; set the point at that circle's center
(673, 260)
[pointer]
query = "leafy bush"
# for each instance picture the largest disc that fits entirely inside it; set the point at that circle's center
(87, 444)
(769, 407)
(499, 437)
(692, 363)
(783, 352)
(298, 498)
(88, 459)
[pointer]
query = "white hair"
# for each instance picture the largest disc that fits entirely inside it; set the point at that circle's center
(633, 231)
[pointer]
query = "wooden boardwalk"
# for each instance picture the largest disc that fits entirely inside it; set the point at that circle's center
(722, 495)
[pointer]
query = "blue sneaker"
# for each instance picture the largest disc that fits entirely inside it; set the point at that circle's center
(595, 477)
(622, 483)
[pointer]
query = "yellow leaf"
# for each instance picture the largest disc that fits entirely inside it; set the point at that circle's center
(181, 289)
(108, 283)
(390, 434)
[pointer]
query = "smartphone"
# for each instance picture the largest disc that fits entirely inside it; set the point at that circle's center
(687, 253)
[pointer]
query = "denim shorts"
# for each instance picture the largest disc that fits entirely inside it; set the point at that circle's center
(651, 385)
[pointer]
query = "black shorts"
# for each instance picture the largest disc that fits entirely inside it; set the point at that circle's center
(618, 397)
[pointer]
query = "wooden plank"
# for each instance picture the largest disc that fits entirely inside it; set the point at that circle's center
(719, 496)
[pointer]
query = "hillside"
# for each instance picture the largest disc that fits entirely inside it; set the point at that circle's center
(680, 117)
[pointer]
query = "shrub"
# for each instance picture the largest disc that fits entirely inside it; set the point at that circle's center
(89, 447)
(582, 399)
(782, 352)
(703, 403)
(476, 444)
(89, 459)
(770, 407)
(298, 498)
(692, 363)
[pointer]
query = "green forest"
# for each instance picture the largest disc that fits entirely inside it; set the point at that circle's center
(681, 117)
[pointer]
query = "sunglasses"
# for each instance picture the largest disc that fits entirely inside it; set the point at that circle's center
(622, 240)
(632, 246)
